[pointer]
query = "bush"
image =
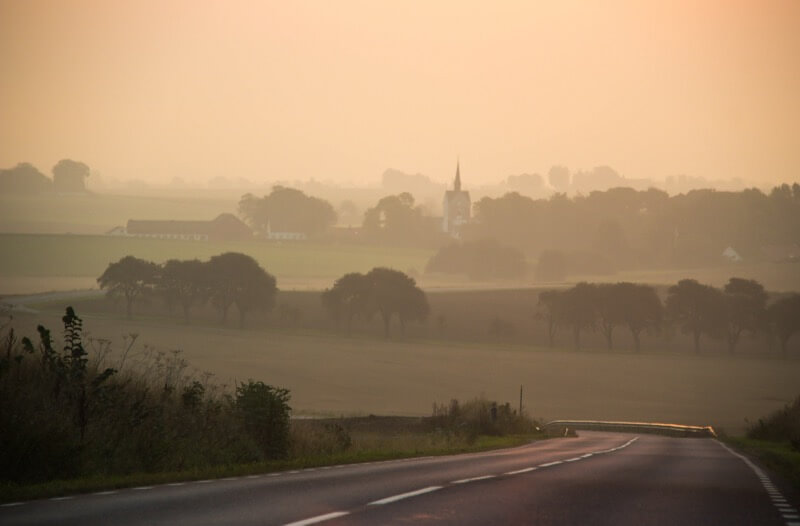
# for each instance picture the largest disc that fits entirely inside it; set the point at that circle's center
(781, 426)
(479, 417)
(63, 415)
(265, 411)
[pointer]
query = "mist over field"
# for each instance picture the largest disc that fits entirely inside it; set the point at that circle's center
(254, 227)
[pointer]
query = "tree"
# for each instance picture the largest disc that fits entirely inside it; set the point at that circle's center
(348, 298)
(784, 316)
(384, 291)
(481, 259)
(579, 309)
(558, 177)
(393, 292)
(184, 281)
(549, 310)
(745, 302)
(287, 210)
(699, 309)
(236, 278)
(395, 219)
(610, 307)
(69, 175)
(24, 178)
(130, 278)
(641, 309)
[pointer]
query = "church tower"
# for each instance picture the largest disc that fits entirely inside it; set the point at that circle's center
(456, 207)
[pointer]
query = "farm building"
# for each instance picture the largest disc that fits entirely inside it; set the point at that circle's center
(225, 227)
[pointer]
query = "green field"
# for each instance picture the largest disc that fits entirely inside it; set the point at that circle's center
(98, 213)
(296, 265)
(331, 375)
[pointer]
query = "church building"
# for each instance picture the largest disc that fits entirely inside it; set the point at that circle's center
(456, 207)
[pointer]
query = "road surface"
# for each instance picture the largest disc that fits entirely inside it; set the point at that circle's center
(597, 478)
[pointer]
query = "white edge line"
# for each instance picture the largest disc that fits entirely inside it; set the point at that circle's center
(473, 479)
(110, 492)
(517, 472)
(63, 498)
(319, 518)
(142, 488)
(548, 464)
(402, 496)
(11, 504)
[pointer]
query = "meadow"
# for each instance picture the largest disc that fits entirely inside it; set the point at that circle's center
(331, 375)
(98, 213)
(51, 258)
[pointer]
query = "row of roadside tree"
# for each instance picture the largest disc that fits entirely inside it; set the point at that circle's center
(741, 306)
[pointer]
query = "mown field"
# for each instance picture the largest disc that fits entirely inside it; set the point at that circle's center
(330, 374)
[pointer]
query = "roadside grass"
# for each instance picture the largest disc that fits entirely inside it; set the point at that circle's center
(777, 456)
(370, 447)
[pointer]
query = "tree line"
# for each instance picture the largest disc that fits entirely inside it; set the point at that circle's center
(25, 178)
(699, 310)
(235, 279)
(225, 280)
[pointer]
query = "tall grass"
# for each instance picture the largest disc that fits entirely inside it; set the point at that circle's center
(66, 414)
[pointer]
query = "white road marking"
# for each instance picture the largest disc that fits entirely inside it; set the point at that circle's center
(203, 481)
(142, 488)
(402, 496)
(294, 471)
(273, 474)
(253, 476)
(11, 504)
(176, 484)
(62, 498)
(573, 459)
(587, 455)
(777, 499)
(319, 518)
(517, 472)
(473, 479)
(230, 478)
(547, 465)
(110, 492)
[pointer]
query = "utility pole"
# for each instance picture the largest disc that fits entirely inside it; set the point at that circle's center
(520, 400)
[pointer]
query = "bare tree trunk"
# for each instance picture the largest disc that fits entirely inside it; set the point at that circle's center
(387, 318)
(636, 341)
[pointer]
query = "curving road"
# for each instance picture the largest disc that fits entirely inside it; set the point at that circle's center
(597, 478)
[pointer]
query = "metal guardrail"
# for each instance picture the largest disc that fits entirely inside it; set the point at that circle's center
(675, 430)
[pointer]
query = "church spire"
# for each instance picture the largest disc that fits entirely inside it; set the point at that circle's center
(457, 182)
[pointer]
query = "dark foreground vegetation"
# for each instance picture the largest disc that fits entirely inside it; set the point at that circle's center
(775, 440)
(97, 417)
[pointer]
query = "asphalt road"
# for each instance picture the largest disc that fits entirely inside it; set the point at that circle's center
(597, 478)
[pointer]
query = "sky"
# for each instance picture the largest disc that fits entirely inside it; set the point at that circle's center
(342, 90)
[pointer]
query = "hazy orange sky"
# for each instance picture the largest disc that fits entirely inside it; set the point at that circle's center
(342, 90)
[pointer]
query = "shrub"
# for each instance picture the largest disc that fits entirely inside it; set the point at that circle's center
(265, 412)
(479, 417)
(781, 426)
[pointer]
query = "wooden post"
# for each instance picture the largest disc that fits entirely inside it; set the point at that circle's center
(520, 400)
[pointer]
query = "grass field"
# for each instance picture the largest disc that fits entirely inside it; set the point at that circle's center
(48, 258)
(98, 213)
(334, 375)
